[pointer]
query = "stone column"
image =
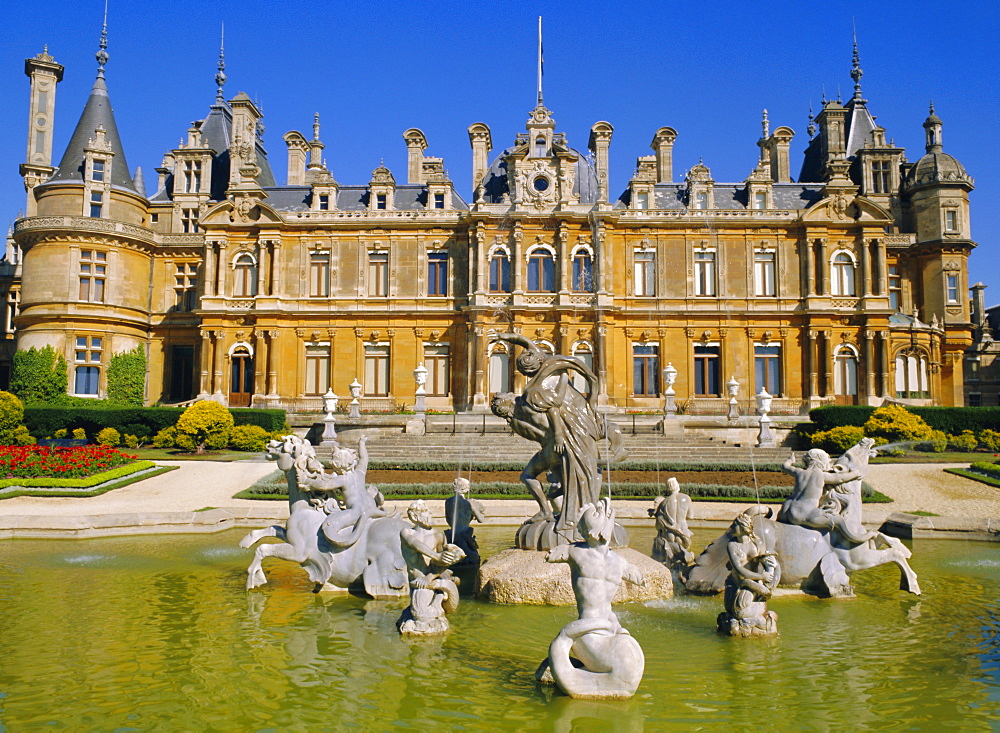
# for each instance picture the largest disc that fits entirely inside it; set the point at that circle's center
(274, 289)
(866, 269)
(827, 363)
(272, 365)
(208, 269)
(883, 337)
(564, 263)
(205, 357)
(263, 282)
(810, 255)
(477, 354)
(331, 333)
(824, 268)
(812, 359)
(882, 267)
(218, 365)
(515, 261)
(601, 360)
(259, 366)
(869, 365)
(220, 272)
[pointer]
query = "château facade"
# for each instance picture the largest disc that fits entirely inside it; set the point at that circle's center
(846, 283)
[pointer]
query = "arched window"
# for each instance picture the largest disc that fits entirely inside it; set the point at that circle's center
(845, 375)
(244, 276)
(583, 275)
(541, 271)
(499, 271)
(911, 376)
(842, 274)
(540, 147)
(500, 371)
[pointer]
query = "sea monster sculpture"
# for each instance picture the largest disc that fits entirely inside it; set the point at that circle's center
(433, 589)
(370, 553)
(594, 657)
(552, 413)
(818, 557)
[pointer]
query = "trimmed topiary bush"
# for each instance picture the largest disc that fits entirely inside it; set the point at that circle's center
(204, 425)
(109, 437)
(251, 438)
(79, 434)
(839, 439)
(895, 424)
(127, 377)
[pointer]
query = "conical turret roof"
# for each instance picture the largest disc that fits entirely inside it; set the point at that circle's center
(96, 113)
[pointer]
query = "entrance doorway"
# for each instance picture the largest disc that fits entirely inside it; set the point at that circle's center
(241, 378)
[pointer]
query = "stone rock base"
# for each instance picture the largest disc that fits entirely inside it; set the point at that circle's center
(523, 577)
(766, 625)
(409, 626)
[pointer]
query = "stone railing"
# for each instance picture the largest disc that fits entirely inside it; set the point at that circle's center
(84, 223)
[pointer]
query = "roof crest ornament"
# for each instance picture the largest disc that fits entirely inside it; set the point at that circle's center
(811, 129)
(102, 54)
(856, 72)
(220, 76)
(316, 127)
(765, 125)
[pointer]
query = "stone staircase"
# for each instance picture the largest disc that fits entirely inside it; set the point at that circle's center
(501, 446)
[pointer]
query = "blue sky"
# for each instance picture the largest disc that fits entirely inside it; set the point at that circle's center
(375, 69)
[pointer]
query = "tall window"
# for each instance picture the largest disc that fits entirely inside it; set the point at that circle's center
(642, 200)
(381, 201)
(87, 371)
(704, 272)
(706, 371)
(317, 368)
(93, 272)
(645, 370)
(880, 176)
(583, 278)
(96, 204)
(701, 200)
(539, 147)
(911, 376)
(760, 200)
(500, 372)
(378, 274)
(952, 285)
(319, 274)
(377, 370)
(186, 286)
(583, 352)
(245, 276)
(13, 308)
(97, 170)
(842, 274)
(845, 372)
(324, 202)
(436, 360)
(763, 274)
(499, 272)
(439, 201)
(951, 221)
(189, 221)
(437, 273)
(895, 288)
(645, 273)
(192, 176)
(767, 369)
(541, 271)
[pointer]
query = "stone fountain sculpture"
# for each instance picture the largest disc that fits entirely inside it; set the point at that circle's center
(753, 574)
(552, 413)
(817, 537)
(459, 511)
(672, 545)
(335, 529)
(433, 589)
(594, 657)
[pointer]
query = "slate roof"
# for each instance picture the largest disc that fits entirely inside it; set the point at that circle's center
(408, 197)
(731, 196)
(495, 181)
(96, 112)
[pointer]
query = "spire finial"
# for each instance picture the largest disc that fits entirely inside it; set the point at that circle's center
(811, 129)
(765, 125)
(932, 107)
(220, 77)
(540, 61)
(856, 71)
(316, 127)
(102, 54)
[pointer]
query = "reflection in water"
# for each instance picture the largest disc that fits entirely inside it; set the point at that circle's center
(148, 633)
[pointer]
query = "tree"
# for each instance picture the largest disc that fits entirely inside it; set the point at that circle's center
(40, 375)
(127, 377)
(205, 424)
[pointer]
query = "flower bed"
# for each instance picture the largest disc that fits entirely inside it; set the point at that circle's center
(32, 461)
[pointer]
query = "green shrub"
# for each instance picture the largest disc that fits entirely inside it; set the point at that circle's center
(965, 442)
(252, 438)
(39, 375)
(985, 467)
(79, 434)
(896, 424)
(832, 416)
(109, 437)
(131, 441)
(60, 433)
(936, 442)
(990, 440)
(12, 432)
(204, 425)
(270, 420)
(127, 377)
(839, 439)
(165, 438)
(952, 420)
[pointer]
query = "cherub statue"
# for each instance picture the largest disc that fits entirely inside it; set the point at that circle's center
(672, 545)
(609, 662)
(459, 511)
(433, 589)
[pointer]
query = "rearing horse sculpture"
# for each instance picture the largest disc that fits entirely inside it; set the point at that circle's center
(375, 558)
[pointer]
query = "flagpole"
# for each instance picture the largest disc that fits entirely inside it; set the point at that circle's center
(539, 61)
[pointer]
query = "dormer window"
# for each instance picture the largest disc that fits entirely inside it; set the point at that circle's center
(642, 201)
(759, 200)
(701, 200)
(324, 202)
(540, 148)
(97, 172)
(381, 201)
(192, 176)
(439, 201)
(881, 180)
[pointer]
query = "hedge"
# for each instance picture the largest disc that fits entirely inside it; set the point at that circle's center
(500, 465)
(951, 420)
(44, 420)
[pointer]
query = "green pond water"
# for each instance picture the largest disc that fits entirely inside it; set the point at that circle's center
(158, 633)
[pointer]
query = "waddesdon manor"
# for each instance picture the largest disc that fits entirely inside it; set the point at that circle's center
(844, 282)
